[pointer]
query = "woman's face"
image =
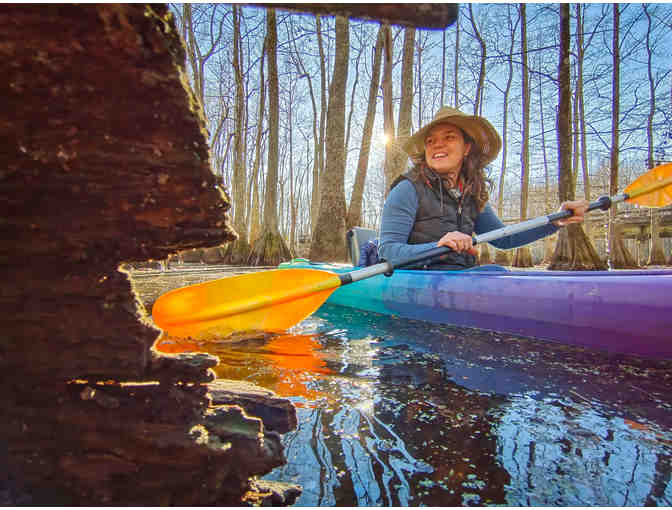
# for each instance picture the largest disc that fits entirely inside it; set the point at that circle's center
(445, 150)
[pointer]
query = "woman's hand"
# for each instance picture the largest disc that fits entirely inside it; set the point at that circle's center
(578, 208)
(458, 242)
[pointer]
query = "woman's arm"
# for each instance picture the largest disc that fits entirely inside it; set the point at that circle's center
(488, 220)
(397, 222)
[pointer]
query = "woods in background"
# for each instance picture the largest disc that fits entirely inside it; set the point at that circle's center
(306, 113)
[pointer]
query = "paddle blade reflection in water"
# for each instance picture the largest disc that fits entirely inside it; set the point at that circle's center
(400, 413)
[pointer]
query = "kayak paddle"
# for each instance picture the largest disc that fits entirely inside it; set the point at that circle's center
(280, 298)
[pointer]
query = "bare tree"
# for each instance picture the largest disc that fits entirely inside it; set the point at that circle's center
(478, 103)
(270, 248)
(197, 57)
(619, 257)
(503, 257)
(329, 235)
(315, 202)
(573, 251)
(388, 107)
(656, 252)
(398, 158)
(255, 217)
(354, 216)
(239, 250)
(523, 256)
(456, 66)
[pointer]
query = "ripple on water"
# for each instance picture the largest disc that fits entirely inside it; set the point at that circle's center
(403, 413)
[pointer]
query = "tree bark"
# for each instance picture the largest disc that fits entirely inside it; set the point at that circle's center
(478, 103)
(581, 106)
(619, 256)
(238, 251)
(399, 158)
(523, 257)
(319, 152)
(573, 250)
(328, 241)
(354, 216)
(656, 252)
(255, 216)
(505, 120)
(456, 66)
(388, 107)
(270, 248)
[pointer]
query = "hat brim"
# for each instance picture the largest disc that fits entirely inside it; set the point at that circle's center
(478, 128)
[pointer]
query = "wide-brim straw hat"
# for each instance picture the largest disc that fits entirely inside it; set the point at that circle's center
(478, 128)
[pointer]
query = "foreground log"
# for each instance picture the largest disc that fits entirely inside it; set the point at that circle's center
(105, 160)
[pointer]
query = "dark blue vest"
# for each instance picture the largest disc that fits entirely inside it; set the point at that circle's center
(440, 211)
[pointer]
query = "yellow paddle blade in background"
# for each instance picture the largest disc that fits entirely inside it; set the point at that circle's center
(643, 190)
(265, 301)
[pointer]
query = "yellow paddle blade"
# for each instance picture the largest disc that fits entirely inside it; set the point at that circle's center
(653, 189)
(266, 301)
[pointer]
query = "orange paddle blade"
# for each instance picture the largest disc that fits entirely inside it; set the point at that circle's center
(653, 189)
(266, 301)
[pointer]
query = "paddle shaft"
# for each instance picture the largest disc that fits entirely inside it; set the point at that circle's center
(388, 267)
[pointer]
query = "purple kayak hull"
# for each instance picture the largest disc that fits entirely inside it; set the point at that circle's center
(626, 312)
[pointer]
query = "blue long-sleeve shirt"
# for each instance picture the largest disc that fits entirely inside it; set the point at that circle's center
(399, 216)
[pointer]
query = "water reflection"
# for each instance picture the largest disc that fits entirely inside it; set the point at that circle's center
(404, 413)
(558, 453)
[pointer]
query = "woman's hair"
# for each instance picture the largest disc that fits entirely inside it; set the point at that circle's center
(476, 183)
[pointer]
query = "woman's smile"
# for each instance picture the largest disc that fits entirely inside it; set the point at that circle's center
(445, 149)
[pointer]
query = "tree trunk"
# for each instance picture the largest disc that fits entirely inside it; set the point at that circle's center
(255, 216)
(619, 257)
(456, 99)
(319, 140)
(573, 250)
(549, 242)
(388, 107)
(238, 251)
(503, 258)
(443, 66)
(505, 121)
(478, 103)
(581, 106)
(354, 217)
(485, 254)
(352, 100)
(270, 248)
(328, 241)
(656, 252)
(523, 257)
(652, 92)
(399, 158)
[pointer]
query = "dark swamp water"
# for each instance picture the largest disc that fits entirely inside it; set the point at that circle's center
(405, 413)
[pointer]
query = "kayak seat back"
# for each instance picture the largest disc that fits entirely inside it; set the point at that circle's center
(356, 238)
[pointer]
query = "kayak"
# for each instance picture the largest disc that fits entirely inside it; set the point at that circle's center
(624, 312)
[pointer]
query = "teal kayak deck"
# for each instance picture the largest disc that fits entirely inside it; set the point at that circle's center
(624, 312)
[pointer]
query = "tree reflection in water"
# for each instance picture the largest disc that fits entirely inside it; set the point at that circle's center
(563, 453)
(404, 413)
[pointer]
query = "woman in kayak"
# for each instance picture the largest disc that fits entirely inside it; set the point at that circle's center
(443, 199)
